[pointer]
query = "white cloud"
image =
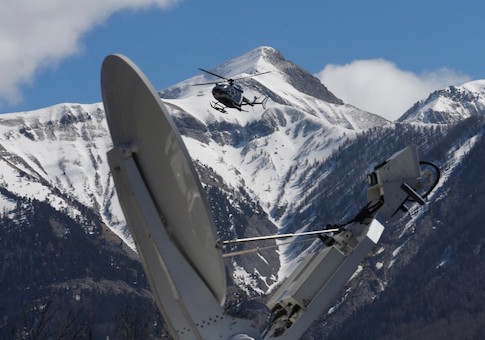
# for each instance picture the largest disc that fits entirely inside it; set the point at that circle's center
(35, 34)
(380, 87)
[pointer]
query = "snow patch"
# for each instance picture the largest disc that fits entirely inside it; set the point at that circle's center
(244, 280)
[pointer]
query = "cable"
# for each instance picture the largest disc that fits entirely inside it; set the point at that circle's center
(438, 175)
(435, 182)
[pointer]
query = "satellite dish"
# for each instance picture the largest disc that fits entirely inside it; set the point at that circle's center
(140, 122)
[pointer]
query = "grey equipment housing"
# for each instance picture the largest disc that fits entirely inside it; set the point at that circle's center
(308, 292)
(393, 181)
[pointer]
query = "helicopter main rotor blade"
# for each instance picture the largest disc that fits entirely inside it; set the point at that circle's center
(210, 83)
(252, 75)
(212, 73)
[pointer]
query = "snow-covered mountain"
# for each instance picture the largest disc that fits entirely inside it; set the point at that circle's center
(58, 155)
(449, 105)
(297, 164)
(266, 148)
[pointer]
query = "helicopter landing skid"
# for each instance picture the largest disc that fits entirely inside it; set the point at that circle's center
(218, 106)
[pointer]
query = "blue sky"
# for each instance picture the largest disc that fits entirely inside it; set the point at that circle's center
(51, 51)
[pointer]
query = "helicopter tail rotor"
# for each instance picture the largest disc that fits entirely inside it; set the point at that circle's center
(263, 103)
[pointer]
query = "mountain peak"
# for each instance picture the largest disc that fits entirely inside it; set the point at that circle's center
(266, 58)
(477, 86)
(264, 51)
(449, 105)
(299, 78)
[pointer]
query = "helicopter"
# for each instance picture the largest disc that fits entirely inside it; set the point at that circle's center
(228, 94)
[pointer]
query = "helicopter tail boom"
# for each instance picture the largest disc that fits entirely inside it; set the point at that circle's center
(256, 101)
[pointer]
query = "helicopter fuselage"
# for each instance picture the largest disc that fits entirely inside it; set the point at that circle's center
(228, 95)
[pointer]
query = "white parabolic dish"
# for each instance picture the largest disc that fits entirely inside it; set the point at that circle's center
(137, 117)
